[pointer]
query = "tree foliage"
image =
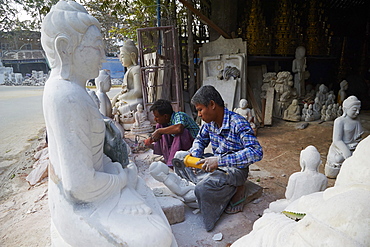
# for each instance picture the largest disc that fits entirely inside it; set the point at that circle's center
(119, 19)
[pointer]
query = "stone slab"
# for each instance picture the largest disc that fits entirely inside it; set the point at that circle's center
(269, 106)
(253, 191)
(223, 46)
(226, 88)
(173, 208)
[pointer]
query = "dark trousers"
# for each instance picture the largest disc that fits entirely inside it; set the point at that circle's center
(215, 191)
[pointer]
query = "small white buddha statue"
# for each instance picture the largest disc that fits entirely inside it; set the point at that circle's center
(347, 132)
(142, 124)
(103, 85)
(305, 182)
(247, 113)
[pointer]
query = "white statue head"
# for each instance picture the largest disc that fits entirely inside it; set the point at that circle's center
(305, 105)
(72, 42)
(300, 52)
(243, 103)
(129, 53)
(310, 106)
(103, 82)
(351, 107)
(310, 159)
(159, 171)
(140, 108)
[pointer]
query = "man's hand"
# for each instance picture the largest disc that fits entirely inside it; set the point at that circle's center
(156, 135)
(210, 164)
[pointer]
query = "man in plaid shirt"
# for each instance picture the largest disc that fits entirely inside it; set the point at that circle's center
(234, 147)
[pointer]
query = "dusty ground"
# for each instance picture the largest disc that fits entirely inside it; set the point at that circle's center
(24, 212)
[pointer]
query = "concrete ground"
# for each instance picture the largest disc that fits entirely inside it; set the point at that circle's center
(24, 212)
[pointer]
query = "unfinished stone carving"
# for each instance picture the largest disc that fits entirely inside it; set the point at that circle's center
(305, 182)
(285, 93)
(347, 132)
(299, 70)
(142, 124)
(338, 216)
(322, 94)
(293, 112)
(93, 200)
(342, 95)
(176, 184)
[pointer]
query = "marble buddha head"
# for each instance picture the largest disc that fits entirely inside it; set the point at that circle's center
(129, 54)
(72, 41)
(351, 106)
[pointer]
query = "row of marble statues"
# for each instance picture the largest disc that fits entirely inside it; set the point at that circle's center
(323, 108)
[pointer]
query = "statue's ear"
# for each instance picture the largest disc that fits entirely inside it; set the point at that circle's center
(133, 58)
(65, 59)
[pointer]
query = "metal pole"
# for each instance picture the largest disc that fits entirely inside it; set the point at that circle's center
(158, 13)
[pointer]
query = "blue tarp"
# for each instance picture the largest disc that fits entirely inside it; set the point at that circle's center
(117, 71)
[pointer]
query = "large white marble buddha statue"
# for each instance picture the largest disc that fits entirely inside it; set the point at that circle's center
(131, 94)
(93, 201)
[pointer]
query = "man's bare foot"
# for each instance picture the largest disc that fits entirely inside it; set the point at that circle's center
(236, 203)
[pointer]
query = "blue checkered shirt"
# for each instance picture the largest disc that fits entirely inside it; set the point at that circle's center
(188, 122)
(234, 143)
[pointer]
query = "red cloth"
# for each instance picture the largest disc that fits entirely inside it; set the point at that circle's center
(168, 145)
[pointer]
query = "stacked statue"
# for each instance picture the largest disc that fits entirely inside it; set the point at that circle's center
(94, 200)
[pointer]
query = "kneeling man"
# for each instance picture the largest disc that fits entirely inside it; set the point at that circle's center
(234, 147)
(175, 131)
